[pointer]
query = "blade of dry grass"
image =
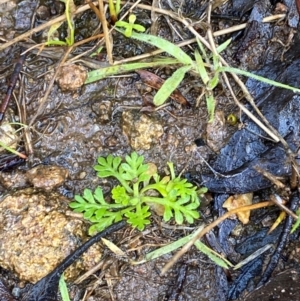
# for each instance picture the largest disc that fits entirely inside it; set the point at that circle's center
(107, 36)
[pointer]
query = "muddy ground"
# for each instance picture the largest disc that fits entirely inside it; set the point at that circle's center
(107, 117)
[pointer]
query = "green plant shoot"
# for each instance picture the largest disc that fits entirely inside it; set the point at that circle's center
(130, 26)
(97, 52)
(297, 223)
(98, 74)
(63, 289)
(70, 8)
(114, 10)
(170, 85)
(139, 190)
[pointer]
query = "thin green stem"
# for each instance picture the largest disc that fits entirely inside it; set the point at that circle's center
(70, 39)
(259, 78)
(136, 189)
(161, 190)
(127, 209)
(118, 7)
(123, 183)
(12, 150)
(151, 199)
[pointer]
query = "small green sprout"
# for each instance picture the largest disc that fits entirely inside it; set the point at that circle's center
(140, 189)
(63, 289)
(297, 223)
(129, 26)
(97, 52)
(69, 10)
(114, 10)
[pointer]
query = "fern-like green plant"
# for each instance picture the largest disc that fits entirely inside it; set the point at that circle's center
(140, 188)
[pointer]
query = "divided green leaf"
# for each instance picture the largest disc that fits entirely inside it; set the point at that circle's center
(139, 189)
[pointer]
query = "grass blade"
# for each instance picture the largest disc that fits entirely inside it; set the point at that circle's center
(210, 104)
(218, 259)
(119, 69)
(214, 256)
(63, 289)
(224, 45)
(201, 68)
(170, 85)
(163, 44)
(260, 78)
(202, 50)
(168, 248)
(296, 225)
(12, 150)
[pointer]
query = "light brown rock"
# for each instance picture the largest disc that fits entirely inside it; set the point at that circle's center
(142, 131)
(36, 234)
(71, 77)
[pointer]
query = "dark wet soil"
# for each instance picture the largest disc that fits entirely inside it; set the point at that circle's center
(105, 117)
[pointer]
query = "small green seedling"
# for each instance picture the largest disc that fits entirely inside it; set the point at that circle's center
(297, 223)
(69, 10)
(130, 26)
(140, 189)
(63, 289)
(210, 82)
(97, 52)
(114, 10)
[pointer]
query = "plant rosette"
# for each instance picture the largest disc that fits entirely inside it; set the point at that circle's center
(140, 187)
